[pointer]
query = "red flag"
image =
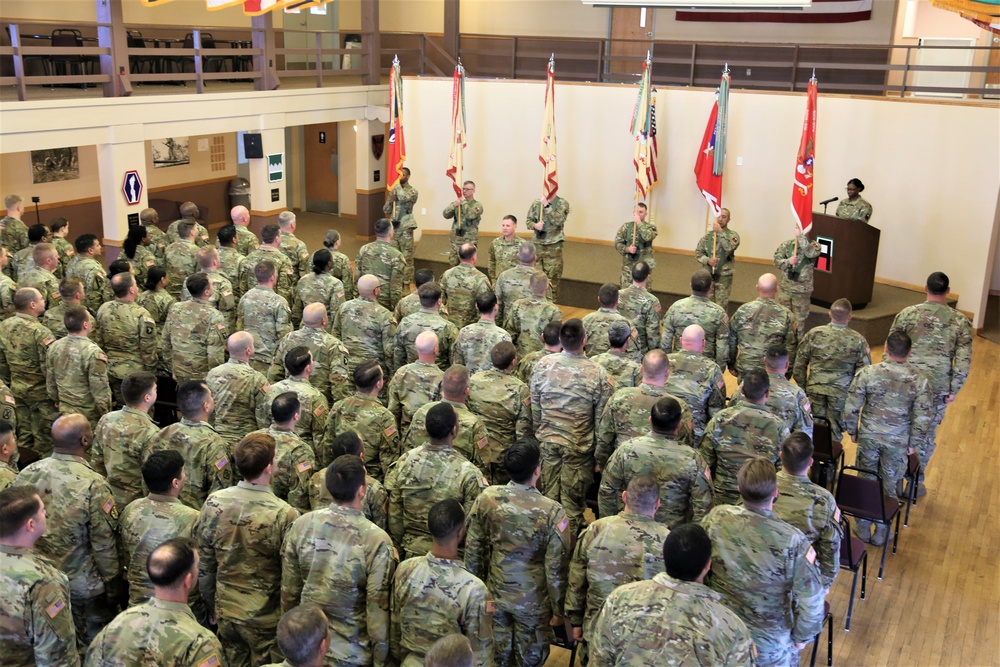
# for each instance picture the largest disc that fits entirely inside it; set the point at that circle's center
(454, 171)
(708, 182)
(802, 187)
(397, 143)
(547, 148)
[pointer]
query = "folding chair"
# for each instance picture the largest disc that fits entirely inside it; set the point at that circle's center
(826, 452)
(862, 498)
(827, 621)
(853, 557)
(565, 642)
(912, 479)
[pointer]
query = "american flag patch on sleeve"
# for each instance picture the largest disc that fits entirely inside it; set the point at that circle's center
(108, 505)
(563, 524)
(482, 442)
(53, 609)
(302, 467)
(210, 661)
(222, 463)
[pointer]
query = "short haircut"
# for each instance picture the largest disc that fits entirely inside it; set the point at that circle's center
(284, 406)
(538, 283)
(206, 256)
(57, 223)
(6, 430)
(348, 442)
(382, 227)
(367, 375)
(756, 384)
(161, 468)
(642, 493)
(551, 333)
(775, 356)
(429, 294)
(445, 518)
(74, 317)
(136, 385)
(898, 343)
(269, 232)
(441, 419)
(757, 480)
(253, 454)
(502, 354)
(285, 218)
(320, 260)
(572, 334)
(472, 183)
(796, 451)
(618, 334)
(227, 235)
(84, 242)
(121, 284)
(301, 631)
(686, 551)
(197, 284)
(154, 276)
(297, 359)
(665, 414)
(264, 271)
(521, 460)
(423, 276)
(119, 266)
(527, 253)
(17, 505)
(185, 230)
(10, 201)
(450, 651)
(607, 296)
(701, 281)
(938, 283)
(455, 380)
(466, 252)
(41, 251)
(511, 217)
(640, 272)
(189, 210)
(37, 232)
(24, 296)
(70, 286)
(486, 302)
(168, 563)
(191, 395)
(344, 477)
(840, 311)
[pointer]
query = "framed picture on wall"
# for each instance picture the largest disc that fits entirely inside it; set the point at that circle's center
(55, 164)
(170, 152)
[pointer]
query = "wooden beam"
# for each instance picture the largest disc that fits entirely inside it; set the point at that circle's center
(371, 43)
(114, 36)
(262, 36)
(451, 27)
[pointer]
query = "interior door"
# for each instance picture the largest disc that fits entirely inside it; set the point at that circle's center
(322, 165)
(631, 36)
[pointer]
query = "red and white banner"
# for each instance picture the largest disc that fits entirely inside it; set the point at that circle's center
(821, 11)
(547, 147)
(802, 186)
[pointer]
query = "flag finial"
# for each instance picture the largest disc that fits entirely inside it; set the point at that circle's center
(813, 78)
(725, 70)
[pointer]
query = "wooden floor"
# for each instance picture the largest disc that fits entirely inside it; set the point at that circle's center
(939, 601)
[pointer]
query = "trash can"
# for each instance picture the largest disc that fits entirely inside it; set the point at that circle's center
(239, 192)
(352, 61)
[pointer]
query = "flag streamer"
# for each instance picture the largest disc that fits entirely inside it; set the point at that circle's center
(547, 148)
(711, 158)
(454, 171)
(642, 124)
(397, 141)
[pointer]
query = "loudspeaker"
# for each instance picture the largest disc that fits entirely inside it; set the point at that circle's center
(252, 146)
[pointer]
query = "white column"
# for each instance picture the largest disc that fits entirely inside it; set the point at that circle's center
(126, 151)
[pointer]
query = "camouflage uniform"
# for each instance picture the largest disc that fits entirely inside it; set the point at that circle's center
(756, 326)
(400, 213)
(526, 364)
(35, 621)
(76, 377)
(682, 474)
(293, 467)
(231, 266)
(726, 242)
(412, 386)
(549, 241)
(80, 539)
(420, 478)
(127, 334)
(142, 262)
(239, 534)
(366, 416)
(368, 332)
(66, 254)
(568, 394)
(95, 280)
(265, 314)
(425, 319)
(344, 270)
(622, 371)
(120, 442)
(381, 260)
(517, 542)
(734, 435)
(321, 288)
(796, 286)
(597, 323)
(339, 560)
(812, 509)
(246, 240)
(503, 404)
(194, 339)
(52, 319)
(7, 289)
(13, 234)
(158, 242)
(613, 551)
(699, 383)
(465, 228)
(408, 305)
(241, 404)
(681, 622)
(8, 405)
(510, 286)
(470, 442)
(626, 416)
(330, 367)
(827, 359)
(283, 270)
(765, 570)
(223, 299)
(157, 303)
(375, 504)
(207, 458)
(23, 261)
(503, 256)
(709, 315)
(434, 597)
(181, 262)
(460, 285)
(314, 411)
(8, 473)
(526, 319)
(642, 309)
(942, 351)
(297, 253)
(24, 345)
(786, 401)
(200, 232)
(45, 282)
(858, 209)
(474, 345)
(641, 236)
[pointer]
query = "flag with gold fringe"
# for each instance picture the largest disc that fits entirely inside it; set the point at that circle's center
(397, 142)
(547, 148)
(454, 171)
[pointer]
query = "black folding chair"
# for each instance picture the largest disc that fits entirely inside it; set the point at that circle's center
(853, 557)
(827, 453)
(862, 498)
(828, 622)
(912, 478)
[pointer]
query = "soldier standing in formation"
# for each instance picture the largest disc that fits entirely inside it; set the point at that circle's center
(291, 247)
(796, 259)
(428, 318)
(716, 251)
(634, 242)
(475, 341)
(701, 310)
(641, 308)
(466, 214)
(515, 282)
(382, 260)
(265, 314)
(695, 379)
(194, 335)
(547, 219)
(365, 415)
(460, 285)
(504, 248)
(399, 209)
(622, 371)
(417, 383)
(527, 316)
(757, 325)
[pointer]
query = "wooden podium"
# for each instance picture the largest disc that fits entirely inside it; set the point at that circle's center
(846, 265)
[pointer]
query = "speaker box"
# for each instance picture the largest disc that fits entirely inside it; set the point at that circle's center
(252, 146)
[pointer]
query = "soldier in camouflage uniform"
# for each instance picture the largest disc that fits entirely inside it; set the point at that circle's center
(434, 595)
(765, 569)
(942, 352)
(701, 310)
(127, 333)
(365, 415)
(239, 393)
(622, 371)
(807, 506)
(59, 227)
(504, 249)
(428, 318)
(318, 286)
(634, 242)
(827, 359)
(466, 213)
(8, 450)
(568, 394)
(315, 410)
(240, 533)
(551, 345)
(613, 551)
(189, 215)
(7, 287)
(416, 384)
(519, 544)
(425, 475)
(674, 617)
(230, 259)
(681, 473)
(889, 412)
(696, 379)
(71, 294)
(548, 224)
(291, 247)
(83, 518)
(796, 259)
(223, 298)
(343, 269)
(13, 232)
(35, 620)
(527, 317)
(475, 342)
(194, 335)
(374, 504)
(716, 252)
(24, 260)
(410, 303)
(596, 324)
(150, 219)
(399, 209)
(366, 328)
(739, 433)
(269, 251)
(380, 259)
(786, 401)
(162, 630)
(515, 283)
(88, 267)
(41, 276)
(76, 375)
(157, 302)
(339, 560)
(24, 344)
(854, 207)
(503, 403)
(208, 458)
(265, 314)
(135, 249)
(460, 287)
(641, 308)
(246, 240)
(181, 260)
(294, 458)
(758, 325)
(329, 356)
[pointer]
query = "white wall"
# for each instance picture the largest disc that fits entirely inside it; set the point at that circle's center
(929, 175)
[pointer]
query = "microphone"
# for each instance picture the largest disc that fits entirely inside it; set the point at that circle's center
(829, 201)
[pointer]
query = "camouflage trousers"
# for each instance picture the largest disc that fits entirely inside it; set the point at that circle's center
(926, 450)
(566, 478)
(91, 412)
(403, 242)
(549, 260)
(798, 303)
(885, 455)
(90, 615)
(521, 640)
(722, 287)
(774, 647)
(246, 645)
(34, 425)
(830, 408)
